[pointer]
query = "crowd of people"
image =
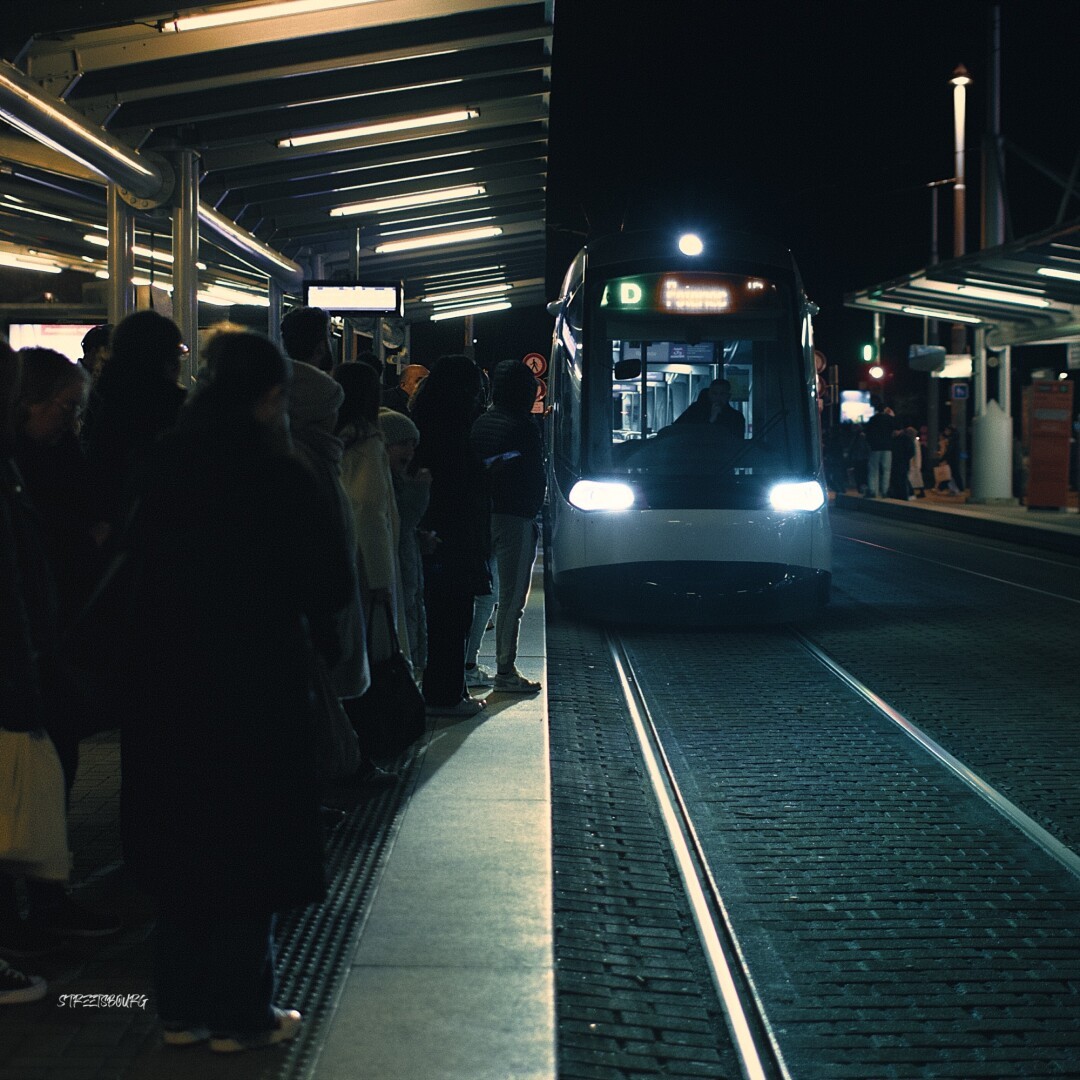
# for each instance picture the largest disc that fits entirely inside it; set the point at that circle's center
(182, 564)
(886, 458)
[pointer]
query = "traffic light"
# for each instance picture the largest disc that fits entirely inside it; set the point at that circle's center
(868, 354)
(877, 372)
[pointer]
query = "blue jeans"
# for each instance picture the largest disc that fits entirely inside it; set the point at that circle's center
(514, 541)
(880, 472)
(216, 973)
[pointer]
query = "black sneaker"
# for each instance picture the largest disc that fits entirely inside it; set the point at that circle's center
(67, 918)
(22, 939)
(19, 989)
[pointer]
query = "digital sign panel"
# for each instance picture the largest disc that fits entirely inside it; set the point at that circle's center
(355, 297)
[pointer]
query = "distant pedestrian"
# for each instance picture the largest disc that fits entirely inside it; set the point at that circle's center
(880, 432)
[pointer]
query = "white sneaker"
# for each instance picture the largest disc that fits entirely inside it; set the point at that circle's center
(515, 683)
(477, 676)
(286, 1026)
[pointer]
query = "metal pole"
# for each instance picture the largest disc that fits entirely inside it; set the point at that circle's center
(121, 256)
(276, 295)
(993, 232)
(959, 81)
(185, 246)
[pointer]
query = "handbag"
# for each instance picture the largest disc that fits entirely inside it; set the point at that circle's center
(390, 716)
(942, 473)
(337, 748)
(33, 821)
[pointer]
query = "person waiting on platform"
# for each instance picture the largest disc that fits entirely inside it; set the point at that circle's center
(713, 406)
(507, 441)
(235, 586)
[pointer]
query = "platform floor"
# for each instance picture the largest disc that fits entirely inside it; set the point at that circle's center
(448, 971)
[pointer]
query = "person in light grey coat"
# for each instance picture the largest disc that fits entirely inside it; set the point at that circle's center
(314, 400)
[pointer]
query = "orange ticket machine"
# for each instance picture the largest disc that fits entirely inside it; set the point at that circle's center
(1048, 423)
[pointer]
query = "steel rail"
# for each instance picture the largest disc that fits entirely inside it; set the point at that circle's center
(755, 1044)
(1004, 806)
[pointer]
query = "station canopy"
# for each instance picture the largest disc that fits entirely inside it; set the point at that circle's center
(342, 135)
(1024, 292)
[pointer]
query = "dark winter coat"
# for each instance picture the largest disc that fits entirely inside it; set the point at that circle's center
(457, 510)
(233, 583)
(28, 624)
(127, 413)
(516, 485)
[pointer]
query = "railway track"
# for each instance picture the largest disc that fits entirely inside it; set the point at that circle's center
(930, 892)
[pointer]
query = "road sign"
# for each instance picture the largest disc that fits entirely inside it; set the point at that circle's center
(541, 393)
(959, 391)
(536, 363)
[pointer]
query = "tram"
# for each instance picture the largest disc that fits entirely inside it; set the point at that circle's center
(685, 479)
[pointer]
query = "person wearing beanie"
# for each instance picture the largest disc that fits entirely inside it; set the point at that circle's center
(507, 441)
(412, 490)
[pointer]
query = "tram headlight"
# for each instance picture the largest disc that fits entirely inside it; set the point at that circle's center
(803, 496)
(601, 495)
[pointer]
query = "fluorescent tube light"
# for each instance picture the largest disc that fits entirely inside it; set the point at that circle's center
(27, 262)
(478, 309)
(931, 313)
(975, 292)
(380, 127)
(253, 13)
(400, 202)
(1054, 272)
(465, 294)
(462, 236)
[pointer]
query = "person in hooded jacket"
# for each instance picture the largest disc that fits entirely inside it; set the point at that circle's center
(235, 583)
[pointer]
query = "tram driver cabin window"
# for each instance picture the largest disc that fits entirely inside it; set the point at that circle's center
(705, 375)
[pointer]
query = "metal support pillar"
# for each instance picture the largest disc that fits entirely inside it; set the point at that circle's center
(276, 296)
(185, 246)
(991, 435)
(121, 256)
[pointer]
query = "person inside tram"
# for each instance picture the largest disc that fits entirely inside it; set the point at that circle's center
(713, 406)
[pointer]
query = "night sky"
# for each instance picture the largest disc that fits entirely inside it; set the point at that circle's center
(818, 124)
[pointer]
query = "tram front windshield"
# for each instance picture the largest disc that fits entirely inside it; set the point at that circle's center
(706, 378)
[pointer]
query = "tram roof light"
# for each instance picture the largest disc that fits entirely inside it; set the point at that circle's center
(690, 244)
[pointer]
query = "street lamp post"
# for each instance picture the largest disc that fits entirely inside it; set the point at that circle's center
(960, 81)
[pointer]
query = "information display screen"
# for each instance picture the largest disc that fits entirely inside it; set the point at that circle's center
(689, 294)
(355, 297)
